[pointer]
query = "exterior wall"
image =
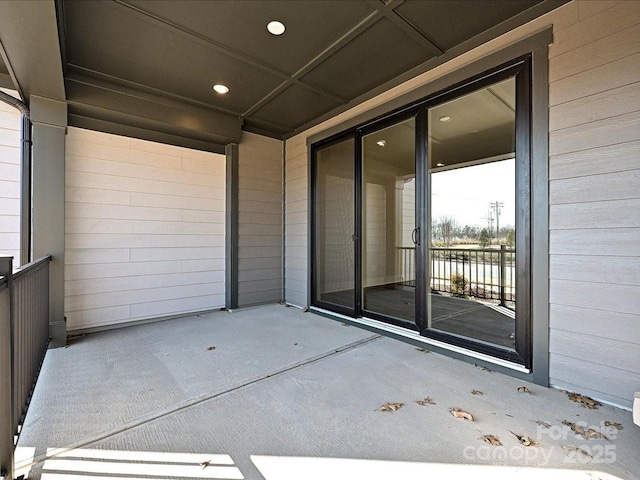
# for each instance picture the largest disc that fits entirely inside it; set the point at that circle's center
(594, 190)
(145, 226)
(10, 125)
(259, 220)
(594, 193)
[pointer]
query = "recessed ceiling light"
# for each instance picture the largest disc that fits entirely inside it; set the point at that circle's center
(446, 118)
(221, 88)
(275, 27)
(381, 143)
(439, 164)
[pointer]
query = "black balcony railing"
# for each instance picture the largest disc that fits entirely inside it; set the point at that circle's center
(484, 273)
(24, 338)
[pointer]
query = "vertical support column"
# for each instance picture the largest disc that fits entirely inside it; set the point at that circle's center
(25, 192)
(231, 228)
(49, 118)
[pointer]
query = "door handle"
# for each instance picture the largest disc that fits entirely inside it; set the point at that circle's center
(415, 236)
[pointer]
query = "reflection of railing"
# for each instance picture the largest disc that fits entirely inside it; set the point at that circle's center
(482, 273)
(407, 265)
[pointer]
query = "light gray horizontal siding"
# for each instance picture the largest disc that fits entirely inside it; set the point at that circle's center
(259, 220)
(10, 125)
(144, 230)
(594, 208)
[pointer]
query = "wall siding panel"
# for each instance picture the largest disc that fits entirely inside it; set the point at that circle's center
(10, 126)
(144, 230)
(259, 220)
(594, 164)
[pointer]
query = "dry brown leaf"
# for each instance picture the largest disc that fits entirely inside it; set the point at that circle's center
(587, 402)
(571, 448)
(205, 464)
(523, 389)
(423, 350)
(586, 434)
(491, 440)
(484, 369)
(544, 424)
(305, 309)
(458, 413)
(616, 425)
(476, 392)
(426, 401)
(525, 440)
(390, 407)
(211, 348)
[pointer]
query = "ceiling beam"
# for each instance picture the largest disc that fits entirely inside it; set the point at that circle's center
(388, 10)
(31, 48)
(356, 30)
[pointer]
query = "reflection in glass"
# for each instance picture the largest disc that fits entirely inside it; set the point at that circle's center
(334, 224)
(471, 212)
(388, 220)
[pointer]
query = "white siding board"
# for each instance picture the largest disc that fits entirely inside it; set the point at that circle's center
(612, 103)
(602, 160)
(589, 30)
(599, 381)
(10, 126)
(606, 186)
(619, 44)
(598, 296)
(621, 355)
(144, 230)
(597, 241)
(600, 269)
(597, 323)
(609, 214)
(625, 128)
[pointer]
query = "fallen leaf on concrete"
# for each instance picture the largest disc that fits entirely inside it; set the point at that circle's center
(205, 464)
(476, 392)
(458, 413)
(571, 448)
(491, 440)
(423, 350)
(287, 305)
(425, 401)
(577, 429)
(211, 348)
(587, 402)
(525, 440)
(523, 389)
(484, 369)
(345, 324)
(615, 425)
(541, 423)
(586, 434)
(390, 407)
(305, 309)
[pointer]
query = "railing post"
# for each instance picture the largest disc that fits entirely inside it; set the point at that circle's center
(502, 275)
(6, 369)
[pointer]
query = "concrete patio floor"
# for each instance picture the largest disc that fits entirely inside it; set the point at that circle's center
(274, 393)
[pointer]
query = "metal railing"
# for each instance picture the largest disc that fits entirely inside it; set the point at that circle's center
(24, 338)
(485, 273)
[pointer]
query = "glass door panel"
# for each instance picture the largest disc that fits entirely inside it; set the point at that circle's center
(334, 226)
(388, 223)
(472, 215)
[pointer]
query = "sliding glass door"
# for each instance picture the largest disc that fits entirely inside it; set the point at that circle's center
(422, 218)
(389, 225)
(334, 227)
